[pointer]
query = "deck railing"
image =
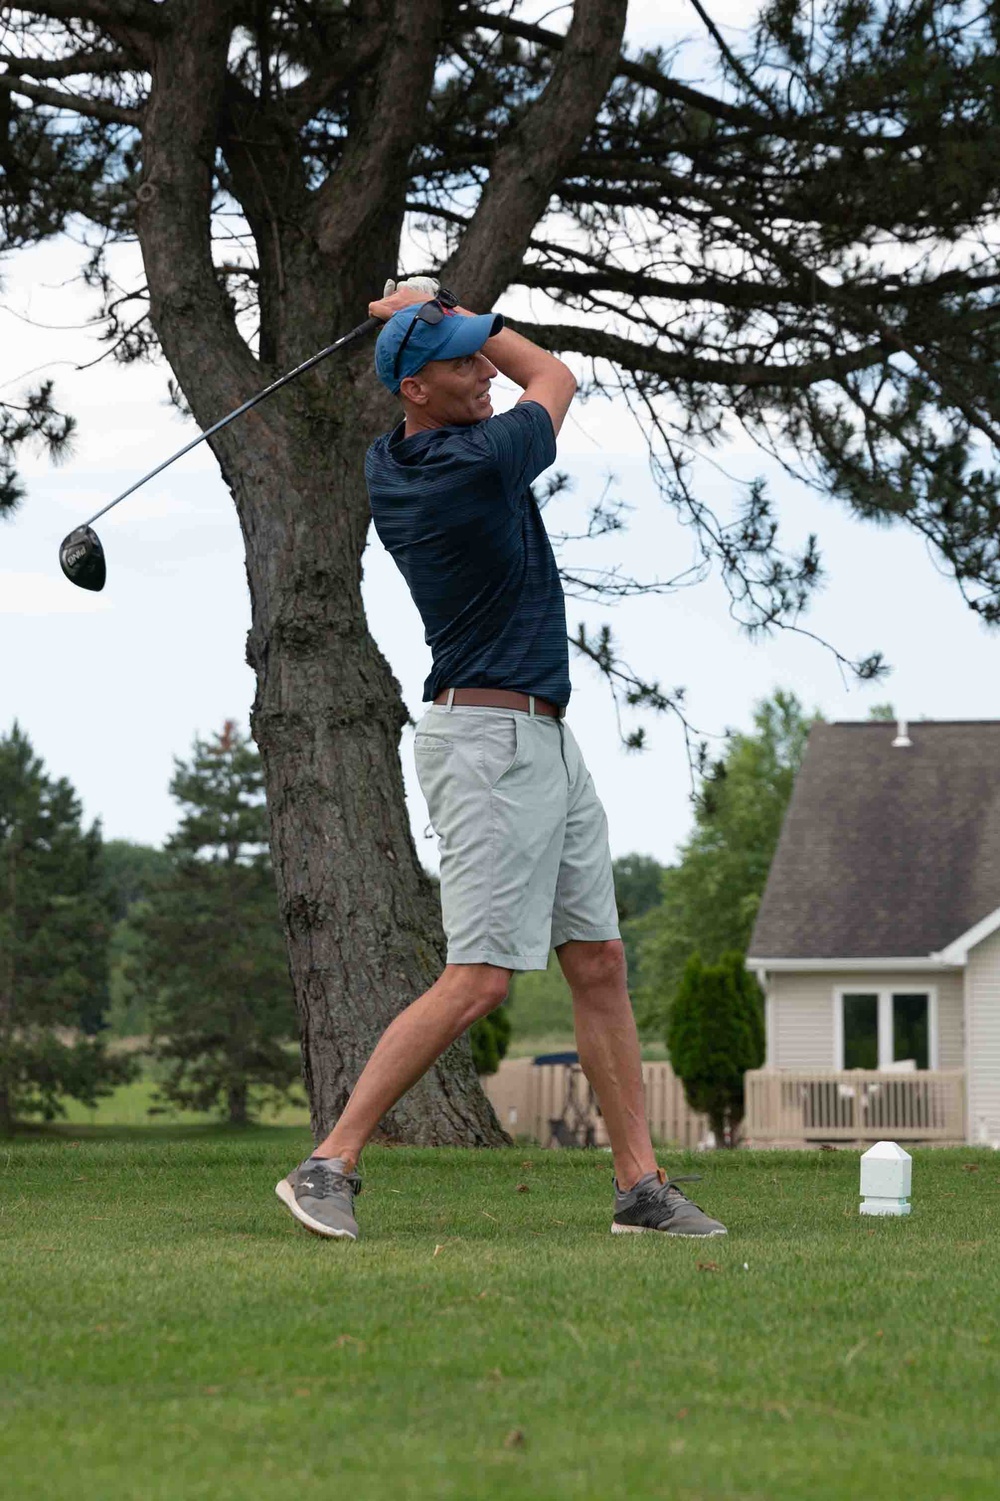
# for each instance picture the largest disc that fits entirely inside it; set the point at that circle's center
(792, 1107)
(527, 1097)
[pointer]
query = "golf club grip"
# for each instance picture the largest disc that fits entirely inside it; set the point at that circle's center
(356, 333)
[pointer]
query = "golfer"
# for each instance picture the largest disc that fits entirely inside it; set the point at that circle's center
(525, 861)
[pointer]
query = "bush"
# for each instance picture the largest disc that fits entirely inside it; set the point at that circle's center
(715, 1032)
(489, 1038)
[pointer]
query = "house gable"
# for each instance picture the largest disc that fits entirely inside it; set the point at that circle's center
(887, 853)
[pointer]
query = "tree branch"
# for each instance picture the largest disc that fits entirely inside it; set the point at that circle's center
(68, 67)
(668, 88)
(335, 70)
(730, 56)
(96, 109)
(143, 15)
(361, 202)
(188, 306)
(546, 140)
(671, 365)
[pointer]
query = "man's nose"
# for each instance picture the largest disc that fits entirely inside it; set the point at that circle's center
(490, 370)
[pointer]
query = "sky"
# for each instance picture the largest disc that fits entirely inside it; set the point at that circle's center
(111, 688)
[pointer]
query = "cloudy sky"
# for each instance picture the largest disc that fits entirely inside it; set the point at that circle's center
(111, 687)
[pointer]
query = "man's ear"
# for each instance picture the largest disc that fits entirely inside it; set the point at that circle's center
(414, 390)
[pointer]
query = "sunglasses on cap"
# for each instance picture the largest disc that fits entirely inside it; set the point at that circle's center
(429, 312)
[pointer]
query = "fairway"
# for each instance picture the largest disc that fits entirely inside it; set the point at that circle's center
(170, 1334)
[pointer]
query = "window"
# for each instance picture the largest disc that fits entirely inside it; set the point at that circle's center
(910, 1028)
(860, 1031)
(882, 1028)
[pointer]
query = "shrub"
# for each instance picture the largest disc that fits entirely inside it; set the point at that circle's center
(715, 1032)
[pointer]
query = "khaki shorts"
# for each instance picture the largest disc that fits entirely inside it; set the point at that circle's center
(522, 834)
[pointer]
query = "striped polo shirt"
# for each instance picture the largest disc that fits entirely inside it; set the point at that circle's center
(454, 508)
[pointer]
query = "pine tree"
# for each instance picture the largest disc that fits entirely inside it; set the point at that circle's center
(54, 926)
(211, 957)
(715, 1032)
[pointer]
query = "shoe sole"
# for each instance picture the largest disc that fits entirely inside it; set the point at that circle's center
(286, 1194)
(617, 1229)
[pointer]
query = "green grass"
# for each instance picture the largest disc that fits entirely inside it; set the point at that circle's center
(129, 1105)
(167, 1333)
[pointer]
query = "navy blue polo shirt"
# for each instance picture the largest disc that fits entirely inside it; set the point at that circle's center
(454, 508)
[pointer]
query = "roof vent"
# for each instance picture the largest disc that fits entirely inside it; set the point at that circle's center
(902, 738)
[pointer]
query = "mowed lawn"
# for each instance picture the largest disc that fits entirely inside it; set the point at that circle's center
(168, 1333)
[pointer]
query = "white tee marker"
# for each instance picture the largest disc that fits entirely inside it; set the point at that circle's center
(885, 1179)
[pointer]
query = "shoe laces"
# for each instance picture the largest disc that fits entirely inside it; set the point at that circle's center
(327, 1181)
(668, 1186)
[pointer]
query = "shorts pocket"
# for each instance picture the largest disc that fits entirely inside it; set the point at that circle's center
(502, 746)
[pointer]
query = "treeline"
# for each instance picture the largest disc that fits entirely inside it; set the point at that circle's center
(183, 947)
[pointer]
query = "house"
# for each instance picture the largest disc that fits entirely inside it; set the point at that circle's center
(877, 942)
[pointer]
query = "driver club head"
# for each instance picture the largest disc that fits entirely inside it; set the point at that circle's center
(82, 559)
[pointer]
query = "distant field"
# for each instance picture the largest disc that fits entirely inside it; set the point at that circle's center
(129, 1105)
(167, 1333)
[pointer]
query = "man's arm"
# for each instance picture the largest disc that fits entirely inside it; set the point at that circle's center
(543, 378)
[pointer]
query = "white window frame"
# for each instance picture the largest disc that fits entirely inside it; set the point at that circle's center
(885, 994)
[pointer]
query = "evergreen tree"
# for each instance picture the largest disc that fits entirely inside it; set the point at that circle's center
(54, 925)
(130, 872)
(490, 1037)
(210, 957)
(715, 1032)
(709, 900)
(638, 880)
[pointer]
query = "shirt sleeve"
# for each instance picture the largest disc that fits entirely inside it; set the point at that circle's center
(522, 443)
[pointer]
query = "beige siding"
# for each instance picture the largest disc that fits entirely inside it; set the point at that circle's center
(800, 1012)
(951, 1020)
(983, 1001)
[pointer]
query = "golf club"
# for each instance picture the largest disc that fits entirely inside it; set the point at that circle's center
(81, 555)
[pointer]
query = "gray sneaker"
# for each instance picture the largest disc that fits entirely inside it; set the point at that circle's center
(320, 1193)
(656, 1203)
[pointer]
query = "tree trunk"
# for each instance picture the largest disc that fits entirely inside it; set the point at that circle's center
(361, 917)
(361, 923)
(236, 1102)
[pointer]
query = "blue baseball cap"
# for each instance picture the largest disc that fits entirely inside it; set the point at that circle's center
(454, 336)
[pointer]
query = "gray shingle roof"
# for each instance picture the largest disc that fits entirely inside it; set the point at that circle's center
(885, 853)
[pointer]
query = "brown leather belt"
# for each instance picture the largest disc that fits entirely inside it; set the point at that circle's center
(502, 698)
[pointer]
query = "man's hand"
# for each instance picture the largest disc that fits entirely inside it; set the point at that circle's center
(416, 289)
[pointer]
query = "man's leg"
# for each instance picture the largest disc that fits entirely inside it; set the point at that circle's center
(608, 1045)
(408, 1047)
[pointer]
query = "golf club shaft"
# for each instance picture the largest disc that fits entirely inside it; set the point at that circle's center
(355, 333)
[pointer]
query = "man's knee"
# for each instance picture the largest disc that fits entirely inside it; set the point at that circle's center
(484, 986)
(599, 962)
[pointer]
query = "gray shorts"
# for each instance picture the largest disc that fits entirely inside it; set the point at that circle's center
(522, 834)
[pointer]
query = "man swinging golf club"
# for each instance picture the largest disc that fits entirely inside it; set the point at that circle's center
(525, 862)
